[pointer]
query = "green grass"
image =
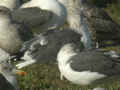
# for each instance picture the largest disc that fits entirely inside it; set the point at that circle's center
(47, 77)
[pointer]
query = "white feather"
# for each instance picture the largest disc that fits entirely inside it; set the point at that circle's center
(83, 77)
(28, 61)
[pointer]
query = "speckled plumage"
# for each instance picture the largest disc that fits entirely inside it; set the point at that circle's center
(100, 24)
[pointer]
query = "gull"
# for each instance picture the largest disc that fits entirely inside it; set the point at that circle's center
(85, 67)
(112, 54)
(12, 34)
(11, 4)
(44, 47)
(100, 25)
(93, 23)
(47, 14)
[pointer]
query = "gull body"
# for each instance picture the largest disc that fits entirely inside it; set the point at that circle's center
(85, 67)
(44, 47)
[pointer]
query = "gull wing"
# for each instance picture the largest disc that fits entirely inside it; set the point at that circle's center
(94, 61)
(31, 16)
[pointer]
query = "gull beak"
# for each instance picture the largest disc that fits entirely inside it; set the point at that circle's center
(20, 72)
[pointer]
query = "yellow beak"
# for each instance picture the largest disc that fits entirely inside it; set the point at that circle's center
(20, 72)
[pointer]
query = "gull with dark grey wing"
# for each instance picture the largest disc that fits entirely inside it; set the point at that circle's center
(44, 47)
(47, 14)
(85, 67)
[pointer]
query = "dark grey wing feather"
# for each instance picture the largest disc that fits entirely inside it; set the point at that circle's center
(94, 61)
(24, 32)
(32, 16)
(55, 38)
